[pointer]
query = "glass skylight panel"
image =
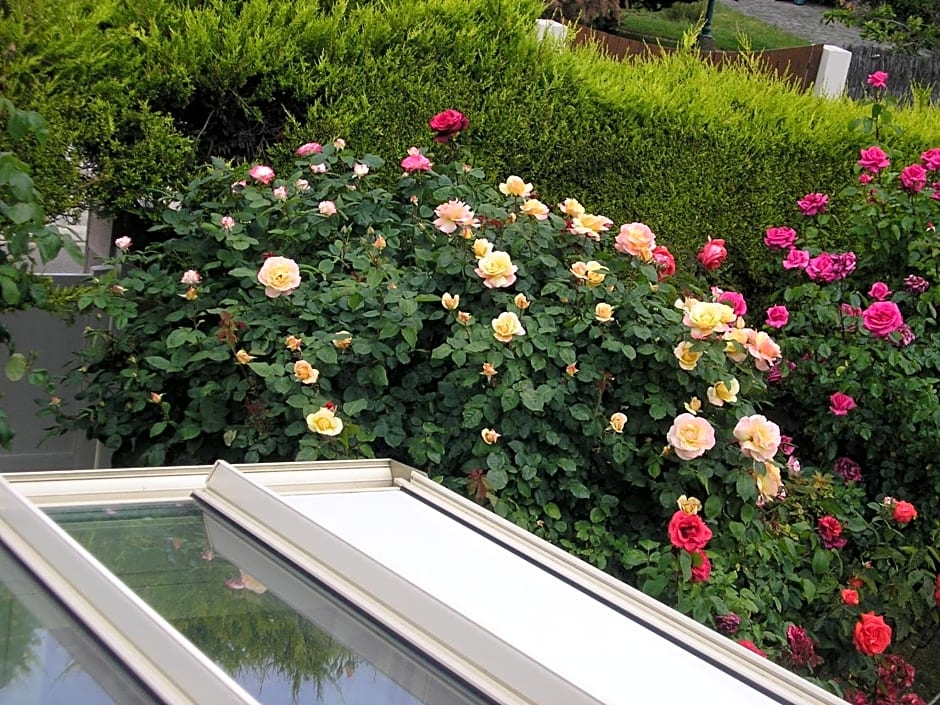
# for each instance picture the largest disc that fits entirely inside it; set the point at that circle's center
(47, 657)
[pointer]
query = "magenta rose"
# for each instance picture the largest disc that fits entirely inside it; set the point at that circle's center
(882, 318)
(931, 159)
(448, 123)
(830, 532)
(828, 268)
(914, 178)
(712, 254)
(731, 298)
(782, 238)
(813, 204)
(874, 159)
(864, 178)
(880, 291)
(664, 261)
(840, 404)
(796, 259)
(878, 79)
(777, 316)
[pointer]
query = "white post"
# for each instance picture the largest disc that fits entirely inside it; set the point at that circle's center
(555, 31)
(833, 71)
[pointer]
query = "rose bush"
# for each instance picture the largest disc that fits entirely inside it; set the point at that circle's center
(563, 370)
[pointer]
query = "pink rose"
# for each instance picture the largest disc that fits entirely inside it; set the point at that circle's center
(447, 124)
(840, 404)
(731, 298)
(827, 268)
(415, 161)
(227, 222)
(882, 318)
(813, 204)
(123, 243)
(796, 259)
(878, 79)
(931, 159)
(261, 173)
(688, 532)
(190, 277)
(305, 150)
(703, 571)
(914, 178)
(664, 261)
(782, 238)
(326, 208)
(712, 254)
(874, 159)
(880, 291)
(777, 316)
(830, 532)
(864, 178)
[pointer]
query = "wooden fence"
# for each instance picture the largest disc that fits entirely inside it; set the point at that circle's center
(904, 71)
(799, 65)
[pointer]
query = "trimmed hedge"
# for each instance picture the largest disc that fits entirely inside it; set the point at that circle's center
(141, 94)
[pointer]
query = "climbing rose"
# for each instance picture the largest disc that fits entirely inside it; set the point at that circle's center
(712, 254)
(305, 150)
(447, 124)
(728, 623)
(279, 275)
(750, 646)
(758, 438)
(874, 159)
(688, 532)
(904, 512)
(415, 161)
(849, 596)
(830, 532)
(324, 422)
(848, 469)
(782, 238)
(777, 316)
(264, 174)
(802, 647)
(878, 79)
(703, 571)
(914, 178)
(690, 436)
(872, 635)
(813, 204)
(840, 404)
(880, 291)
(664, 261)
(882, 318)
(931, 159)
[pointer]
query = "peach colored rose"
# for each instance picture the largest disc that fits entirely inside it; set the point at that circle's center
(463, 317)
(450, 302)
(305, 372)
(759, 438)
(636, 239)
(488, 370)
(324, 422)
(618, 421)
(736, 343)
(514, 186)
(379, 243)
(489, 436)
(293, 342)
(507, 325)
(279, 275)
(603, 312)
(496, 269)
(693, 405)
(690, 436)
(768, 482)
(572, 369)
(763, 349)
(452, 215)
(521, 302)
(535, 209)
(344, 342)
(243, 358)
(689, 505)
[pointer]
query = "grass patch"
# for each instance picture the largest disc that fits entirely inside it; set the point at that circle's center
(728, 27)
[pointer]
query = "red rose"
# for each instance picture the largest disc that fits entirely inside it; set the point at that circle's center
(749, 645)
(849, 596)
(688, 532)
(904, 512)
(447, 124)
(872, 634)
(856, 582)
(703, 571)
(712, 254)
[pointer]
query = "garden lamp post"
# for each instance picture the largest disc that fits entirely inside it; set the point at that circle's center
(705, 38)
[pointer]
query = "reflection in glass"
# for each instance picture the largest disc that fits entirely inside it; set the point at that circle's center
(46, 657)
(282, 638)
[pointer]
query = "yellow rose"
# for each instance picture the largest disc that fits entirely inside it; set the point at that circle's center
(488, 370)
(721, 394)
(344, 342)
(689, 505)
(489, 436)
(521, 302)
(693, 405)
(279, 275)
(579, 269)
(496, 269)
(450, 302)
(736, 340)
(305, 372)
(243, 357)
(768, 482)
(506, 325)
(595, 273)
(293, 342)
(686, 356)
(617, 422)
(571, 207)
(482, 247)
(463, 317)
(514, 186)
(705, 318)
(572, 369)
(324, 422)
(536, 209)
(590, 225)
(604, 312)
(758, 437)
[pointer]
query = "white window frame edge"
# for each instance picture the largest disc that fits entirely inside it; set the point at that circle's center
(148, 646)
(761, 672)
(497, 669)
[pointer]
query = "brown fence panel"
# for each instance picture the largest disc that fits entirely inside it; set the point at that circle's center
(798, 65)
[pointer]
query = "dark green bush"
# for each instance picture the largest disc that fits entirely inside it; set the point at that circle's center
(140, 93)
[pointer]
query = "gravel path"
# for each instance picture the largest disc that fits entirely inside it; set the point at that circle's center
(802, 20)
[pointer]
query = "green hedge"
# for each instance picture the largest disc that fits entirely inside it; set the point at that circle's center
(143, 92)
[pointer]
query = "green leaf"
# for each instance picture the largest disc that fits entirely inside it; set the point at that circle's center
(654, 586)
(351, 408)
(16, 367)
(713, 507)
(157, 428)
(580, 412)
(159, 363)
(190, 430)
(552, 511)
(821, 560)
(497, 478)
(178, 338)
